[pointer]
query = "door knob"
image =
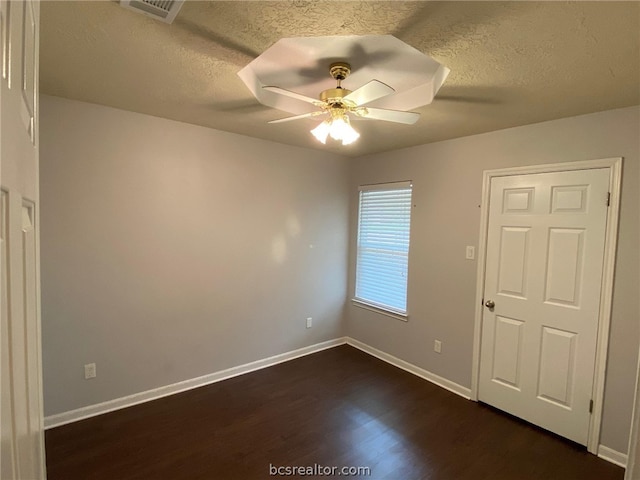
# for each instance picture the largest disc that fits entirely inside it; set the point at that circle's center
(490, 304)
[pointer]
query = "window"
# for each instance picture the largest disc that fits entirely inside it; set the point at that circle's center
(384, 219)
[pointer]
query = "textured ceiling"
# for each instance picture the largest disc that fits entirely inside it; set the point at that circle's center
(512, 63)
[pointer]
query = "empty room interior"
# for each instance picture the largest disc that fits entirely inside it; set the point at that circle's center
(388, 240)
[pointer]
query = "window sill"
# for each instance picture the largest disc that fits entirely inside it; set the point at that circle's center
(383, 311)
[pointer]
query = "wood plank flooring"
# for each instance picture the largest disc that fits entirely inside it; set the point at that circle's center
(340, 407)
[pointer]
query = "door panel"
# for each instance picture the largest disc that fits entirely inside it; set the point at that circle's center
(28, 80)
(5, 25)
(564, 266)
(545, 250)
(514, 259)
(569, 199)
(557, 362)
(518, 200)
(507, 351)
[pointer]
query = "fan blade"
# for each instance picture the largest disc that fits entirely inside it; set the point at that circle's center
(289, 93)
(369, 92)
(297, 117)
(391, 115)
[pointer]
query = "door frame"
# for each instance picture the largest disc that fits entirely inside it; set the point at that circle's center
(604, 315)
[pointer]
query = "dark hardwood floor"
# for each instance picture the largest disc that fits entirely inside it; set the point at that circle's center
(339, 407)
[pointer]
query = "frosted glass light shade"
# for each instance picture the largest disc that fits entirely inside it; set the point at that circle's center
(338, 128)
(321, 132)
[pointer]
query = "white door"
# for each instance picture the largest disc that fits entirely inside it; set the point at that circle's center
(544, 261)
(22, 446)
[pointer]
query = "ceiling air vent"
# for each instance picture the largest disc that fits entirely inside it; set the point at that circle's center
(163, 10)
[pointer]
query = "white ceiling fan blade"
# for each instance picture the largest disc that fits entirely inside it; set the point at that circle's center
(298, 117)
(369, 92)
(289, 93)
(391, 115)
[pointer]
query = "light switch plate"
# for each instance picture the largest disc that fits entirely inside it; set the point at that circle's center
(471, 252)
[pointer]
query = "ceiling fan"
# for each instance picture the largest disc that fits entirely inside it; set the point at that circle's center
(338, 103)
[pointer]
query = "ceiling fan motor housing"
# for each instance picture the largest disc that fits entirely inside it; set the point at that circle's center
(334, 96)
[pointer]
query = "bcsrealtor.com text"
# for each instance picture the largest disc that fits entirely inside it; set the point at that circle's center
(317, 470)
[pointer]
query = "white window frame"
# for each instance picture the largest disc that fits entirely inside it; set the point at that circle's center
(369, 303)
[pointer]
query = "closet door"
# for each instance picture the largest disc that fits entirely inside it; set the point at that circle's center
(21, 417)
(543, 280)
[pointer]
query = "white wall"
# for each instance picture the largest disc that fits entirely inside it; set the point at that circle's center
(171, 251)
(447, 184)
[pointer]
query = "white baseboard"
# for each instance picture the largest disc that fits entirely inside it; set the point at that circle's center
(142, 397)
(613, 456)
(409, 367)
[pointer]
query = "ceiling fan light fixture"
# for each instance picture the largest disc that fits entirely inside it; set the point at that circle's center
(371, 98)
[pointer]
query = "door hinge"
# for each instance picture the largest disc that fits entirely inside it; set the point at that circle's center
(590, 406)
(608, 198)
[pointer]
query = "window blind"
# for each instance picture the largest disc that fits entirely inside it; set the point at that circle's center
(383, 246)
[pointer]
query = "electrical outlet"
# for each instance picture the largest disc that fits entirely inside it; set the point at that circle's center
(309, 322)
(437, 346)
(89, 371)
